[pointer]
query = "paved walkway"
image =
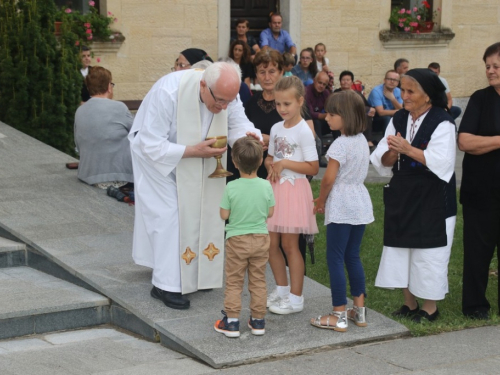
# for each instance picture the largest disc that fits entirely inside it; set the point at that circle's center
(106, 351)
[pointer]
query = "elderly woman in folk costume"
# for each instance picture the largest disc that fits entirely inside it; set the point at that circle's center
(420, 201)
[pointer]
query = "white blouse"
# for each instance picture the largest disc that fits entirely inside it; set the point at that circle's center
(349, 201)
(439, 155)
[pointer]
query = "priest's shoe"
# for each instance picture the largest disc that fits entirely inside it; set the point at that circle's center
(171, 299)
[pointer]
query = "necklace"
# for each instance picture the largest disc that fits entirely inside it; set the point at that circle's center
(413, 126)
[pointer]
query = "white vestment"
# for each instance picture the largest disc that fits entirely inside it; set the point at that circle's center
(155, 156)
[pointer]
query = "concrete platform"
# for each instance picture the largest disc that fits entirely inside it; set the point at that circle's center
(89, 234)
(12, 253)
(34, 302)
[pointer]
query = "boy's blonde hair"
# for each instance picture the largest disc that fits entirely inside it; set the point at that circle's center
(348, 105)
(247, 154)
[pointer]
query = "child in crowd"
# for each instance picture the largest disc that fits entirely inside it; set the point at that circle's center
(247, 203)
(344, 200)
(288, 63)
(321, 60)
(291, 156)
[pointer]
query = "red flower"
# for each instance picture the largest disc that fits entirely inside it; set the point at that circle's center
(87, 25)
(426, 4)
(88, 31)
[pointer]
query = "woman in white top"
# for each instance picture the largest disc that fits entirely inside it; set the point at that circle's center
(420, 201)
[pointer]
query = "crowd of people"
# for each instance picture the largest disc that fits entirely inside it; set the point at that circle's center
(274, 138)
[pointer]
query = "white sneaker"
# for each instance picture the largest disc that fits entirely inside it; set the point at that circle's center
(273, 298)
(286, 307)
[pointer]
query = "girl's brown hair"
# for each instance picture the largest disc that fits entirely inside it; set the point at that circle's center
(245, 58)
(348, 105)
(315, 47)
(313, 66)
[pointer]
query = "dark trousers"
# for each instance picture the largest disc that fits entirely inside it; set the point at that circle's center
(481, 236)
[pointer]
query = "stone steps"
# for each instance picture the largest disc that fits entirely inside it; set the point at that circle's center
(12, 253)
(33, 302)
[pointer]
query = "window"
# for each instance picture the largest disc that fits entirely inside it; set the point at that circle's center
(80, 5)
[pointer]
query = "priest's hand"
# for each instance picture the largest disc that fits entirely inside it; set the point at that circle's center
(203, 150)
(262, 141)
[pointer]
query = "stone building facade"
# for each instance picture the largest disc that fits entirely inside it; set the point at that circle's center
(157, 30)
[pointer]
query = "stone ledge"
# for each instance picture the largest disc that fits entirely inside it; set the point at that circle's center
(391, 39)
(108, 46)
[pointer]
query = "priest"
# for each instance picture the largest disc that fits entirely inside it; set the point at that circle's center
(177, 230)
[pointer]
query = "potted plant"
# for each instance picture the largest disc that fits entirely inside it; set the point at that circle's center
(426, 17)
(415, 20)
(90, 26)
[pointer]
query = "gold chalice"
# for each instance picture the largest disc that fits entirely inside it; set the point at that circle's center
(221, 142)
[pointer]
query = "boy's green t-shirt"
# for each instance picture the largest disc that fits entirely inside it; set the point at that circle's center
(249, 200)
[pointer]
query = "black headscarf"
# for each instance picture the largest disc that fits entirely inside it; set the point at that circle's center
(193, 55)
(432, 86)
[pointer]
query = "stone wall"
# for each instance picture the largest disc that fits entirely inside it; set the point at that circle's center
(350, 30)
(157, 30)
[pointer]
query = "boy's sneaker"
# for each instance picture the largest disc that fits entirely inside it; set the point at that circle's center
(286, 307)
(229, 329)
(258, 326)
(273, 298)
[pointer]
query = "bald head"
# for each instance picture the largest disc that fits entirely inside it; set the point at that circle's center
(321, 81)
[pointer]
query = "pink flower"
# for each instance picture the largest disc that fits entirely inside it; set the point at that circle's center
(91, 3)
(413, 24)
(115, 19)
(67, 10)
(402, 11)
(439, 9)
(418, 17)
(403, 19)
(98, 59)
(110, 14)
(77, 43)
(415, 9)
(88, 31)
(407, 28)
(89, 37)
(408, 11)
(87, 25)
(401, 25)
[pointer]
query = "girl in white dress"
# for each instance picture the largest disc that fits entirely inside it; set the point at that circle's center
(344, 200)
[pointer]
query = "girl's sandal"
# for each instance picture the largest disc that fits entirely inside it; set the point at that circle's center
(340, 324)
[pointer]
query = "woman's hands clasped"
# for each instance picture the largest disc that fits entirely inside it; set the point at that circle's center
(398, 144)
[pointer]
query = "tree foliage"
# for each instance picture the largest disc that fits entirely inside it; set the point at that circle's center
(40, 83)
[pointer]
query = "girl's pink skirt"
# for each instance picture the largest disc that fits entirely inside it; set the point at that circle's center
(293, 212)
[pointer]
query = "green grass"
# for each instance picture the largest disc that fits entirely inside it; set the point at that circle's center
(385, 301)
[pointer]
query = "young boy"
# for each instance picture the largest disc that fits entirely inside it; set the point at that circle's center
(288, 63)
(247, 203)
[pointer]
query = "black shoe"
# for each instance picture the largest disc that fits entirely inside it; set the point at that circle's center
(478, 315)
(171, 299)
(421, 315)
(405, 312)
